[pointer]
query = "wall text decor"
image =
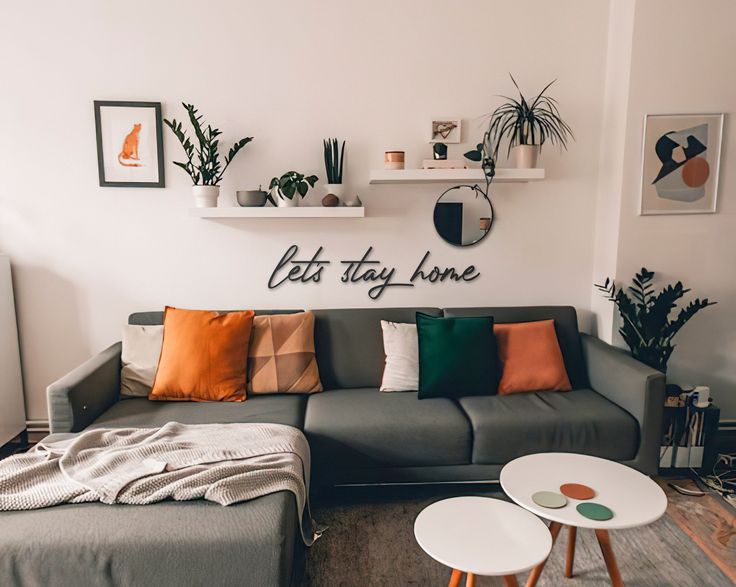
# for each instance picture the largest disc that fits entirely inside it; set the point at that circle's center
(363, 270)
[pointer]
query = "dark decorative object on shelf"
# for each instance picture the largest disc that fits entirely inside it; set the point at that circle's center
(330, 201)
(647, 328)
(439, 151)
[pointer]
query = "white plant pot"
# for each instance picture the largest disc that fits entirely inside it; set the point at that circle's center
(336, 189)
(205, 196)
(283, 202)
(526, 156)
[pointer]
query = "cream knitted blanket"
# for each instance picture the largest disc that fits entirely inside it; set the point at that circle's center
(224, 463)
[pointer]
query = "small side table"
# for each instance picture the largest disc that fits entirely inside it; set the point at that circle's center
(482, 536)
(634, 499)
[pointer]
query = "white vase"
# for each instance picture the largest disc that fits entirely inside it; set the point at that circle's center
(205, 196)
(336, 189)
(526, 156)
(283, 202)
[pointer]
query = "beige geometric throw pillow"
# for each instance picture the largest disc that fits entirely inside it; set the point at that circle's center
(281, 355)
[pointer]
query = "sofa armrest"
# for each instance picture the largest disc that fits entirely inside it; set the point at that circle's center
(79, 397)
(635, 387)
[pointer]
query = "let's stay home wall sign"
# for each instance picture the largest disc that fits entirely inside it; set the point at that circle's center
(291, 269)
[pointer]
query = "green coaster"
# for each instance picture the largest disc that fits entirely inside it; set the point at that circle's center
(594, 511)
(549, 499)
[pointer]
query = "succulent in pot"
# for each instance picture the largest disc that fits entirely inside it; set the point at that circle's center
(287, 190)
(203, 163)
(334, 159)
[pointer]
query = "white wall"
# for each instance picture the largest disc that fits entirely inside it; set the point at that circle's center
(289, 73)
(682, 62)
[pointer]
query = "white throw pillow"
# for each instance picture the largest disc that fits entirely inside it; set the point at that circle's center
(141, 351)
(401, 346)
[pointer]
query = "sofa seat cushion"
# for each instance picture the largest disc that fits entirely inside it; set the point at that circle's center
(363, 427)
(168, 543)
(142, 413)
(510, 426)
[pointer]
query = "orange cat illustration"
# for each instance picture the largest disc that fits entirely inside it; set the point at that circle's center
(130, 147)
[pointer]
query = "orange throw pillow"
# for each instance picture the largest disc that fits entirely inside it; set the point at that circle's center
(531, 357)
(203, 356)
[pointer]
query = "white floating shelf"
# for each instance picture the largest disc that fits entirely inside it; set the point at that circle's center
(275, 212)
(503, 175)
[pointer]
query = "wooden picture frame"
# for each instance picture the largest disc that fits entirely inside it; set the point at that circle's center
(130, 144)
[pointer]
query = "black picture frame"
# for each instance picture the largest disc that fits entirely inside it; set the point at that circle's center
(156, 106)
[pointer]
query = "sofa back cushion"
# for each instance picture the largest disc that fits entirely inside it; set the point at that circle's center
(566, 327)
(349, 343)
(157, 318)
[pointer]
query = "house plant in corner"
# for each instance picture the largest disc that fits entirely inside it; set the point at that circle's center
(647, 328)
(203, 161)
(334, 159)
(526, 125)
(289, 188)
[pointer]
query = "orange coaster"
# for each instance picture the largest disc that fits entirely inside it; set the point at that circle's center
(577, 491)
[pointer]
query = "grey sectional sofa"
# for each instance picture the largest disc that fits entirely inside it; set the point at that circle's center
(357, 436)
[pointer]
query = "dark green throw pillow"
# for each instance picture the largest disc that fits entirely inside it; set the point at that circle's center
(457, 356)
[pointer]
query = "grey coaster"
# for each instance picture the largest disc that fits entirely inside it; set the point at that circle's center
(549, 499)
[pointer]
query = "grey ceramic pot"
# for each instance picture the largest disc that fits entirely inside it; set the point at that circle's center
(251, 198)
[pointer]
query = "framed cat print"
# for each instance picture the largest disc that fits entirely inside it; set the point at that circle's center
(130, 144)
(680, 161)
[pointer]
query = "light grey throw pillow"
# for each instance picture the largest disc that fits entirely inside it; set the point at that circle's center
(141, 351)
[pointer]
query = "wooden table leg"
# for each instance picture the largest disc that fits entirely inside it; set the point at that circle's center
(554, 529)
(510, 581)
(470, 580)
(604, 540)
(455, 578)
(570, 560)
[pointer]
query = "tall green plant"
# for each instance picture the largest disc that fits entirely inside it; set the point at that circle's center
(647, 328)
(334, 160)
(206, 169)
(523, 122)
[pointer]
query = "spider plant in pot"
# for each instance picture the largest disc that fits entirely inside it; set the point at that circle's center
(334, 159)
(527, 125)
(203, 160)
(289, 188)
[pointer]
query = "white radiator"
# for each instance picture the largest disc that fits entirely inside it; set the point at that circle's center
(12, 410)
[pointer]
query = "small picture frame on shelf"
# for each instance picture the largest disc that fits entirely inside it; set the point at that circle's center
(130, 146)
(445, 130)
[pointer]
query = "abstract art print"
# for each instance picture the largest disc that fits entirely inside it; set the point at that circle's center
(130, 147)
(680, 163)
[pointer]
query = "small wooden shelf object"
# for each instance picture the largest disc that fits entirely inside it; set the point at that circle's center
(275, 212)
(450, 176)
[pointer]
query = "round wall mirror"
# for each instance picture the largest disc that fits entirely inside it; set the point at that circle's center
(463, 215)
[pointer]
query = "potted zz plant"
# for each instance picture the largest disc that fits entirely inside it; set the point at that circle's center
(647, 328)
(203, 160)
(287, 189)
(527, 125)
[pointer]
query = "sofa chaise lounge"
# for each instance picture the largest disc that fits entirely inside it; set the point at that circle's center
(357, 435)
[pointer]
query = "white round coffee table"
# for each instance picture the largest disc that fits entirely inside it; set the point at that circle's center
(634, 499)
(482, 536)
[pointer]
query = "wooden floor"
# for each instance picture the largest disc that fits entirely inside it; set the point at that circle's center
(708, 520)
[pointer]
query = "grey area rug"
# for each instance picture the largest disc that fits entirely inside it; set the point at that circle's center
(370, 541)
